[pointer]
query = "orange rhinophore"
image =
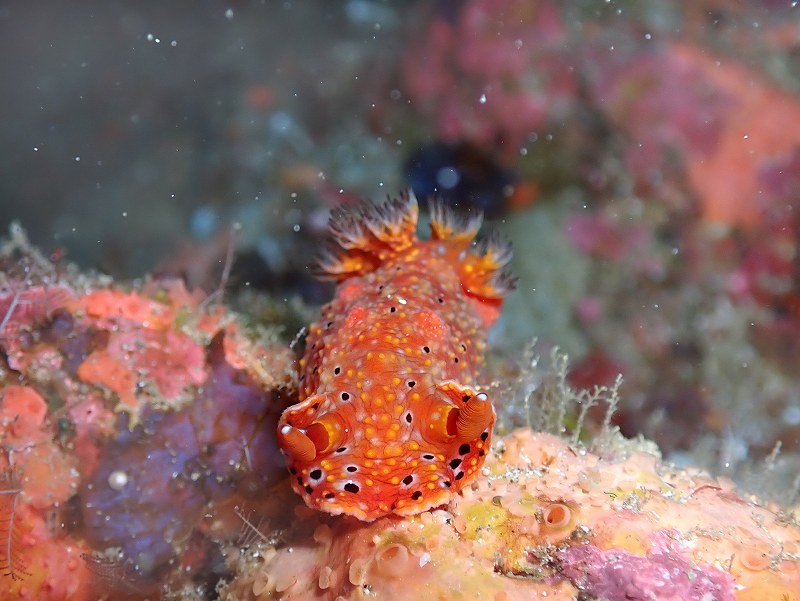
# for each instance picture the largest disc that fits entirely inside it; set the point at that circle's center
(390, 418)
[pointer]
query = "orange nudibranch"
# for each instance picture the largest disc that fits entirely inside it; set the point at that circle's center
(391, 419)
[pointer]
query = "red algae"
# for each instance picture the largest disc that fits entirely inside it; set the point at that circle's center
(131, 426)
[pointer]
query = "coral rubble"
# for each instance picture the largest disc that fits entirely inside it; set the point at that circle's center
(546, 520)
(126, 416)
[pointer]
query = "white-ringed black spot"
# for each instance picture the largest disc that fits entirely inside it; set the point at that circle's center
(484, 436)
(408, 479)
(426, 349)
(315, 474)
(351, 487)
(411, 383)
(328, 496)
(428, 456)
(417, 495)
(463, 347)
(408, 418)
(463, 449)
(337, 370)
(441, 300)
(459, 475)
(351, 468)
(345, 396)
(455, 360)
(447, 483)
(455, 463)
(340, 450)
(392, 309)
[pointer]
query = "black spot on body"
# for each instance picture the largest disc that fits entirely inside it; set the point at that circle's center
(309, 490)
(351, 468)
(455, 360)
(392, 309)
(411, 384)
(408, 418)
(427, 349)
(341, 449)
(441, 301)
(463, 449)
(345, 396)
(337, 370)
(455, 463)
(484, 436)
(447, 483)
(459, 475)
(315, 474)
(408, 479)
(299, 480)
(417, 495)
(329, 495)
(428, 456)
(351, 487)
(292, 471)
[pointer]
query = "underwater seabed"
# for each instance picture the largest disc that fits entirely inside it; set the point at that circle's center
(139, 462)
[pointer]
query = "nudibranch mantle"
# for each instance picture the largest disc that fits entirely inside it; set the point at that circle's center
(391, 419)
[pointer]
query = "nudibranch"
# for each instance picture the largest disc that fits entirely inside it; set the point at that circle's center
(391, 419)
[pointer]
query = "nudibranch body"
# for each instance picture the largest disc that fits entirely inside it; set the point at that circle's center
(391, 419)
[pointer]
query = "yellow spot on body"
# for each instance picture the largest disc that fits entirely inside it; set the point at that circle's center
(330, 478)
(371, 453)
(396, 381)
(350, 373)
(431, 486)
(394, 480)
(384, 418)
(413, 445)
(369, 482)
(369, 463)
(398, 409)
(473, 462)
(391, 396)
(433, 477)
(415, 396)
(431, 467)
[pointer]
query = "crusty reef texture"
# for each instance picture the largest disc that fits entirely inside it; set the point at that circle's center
(544, 519)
